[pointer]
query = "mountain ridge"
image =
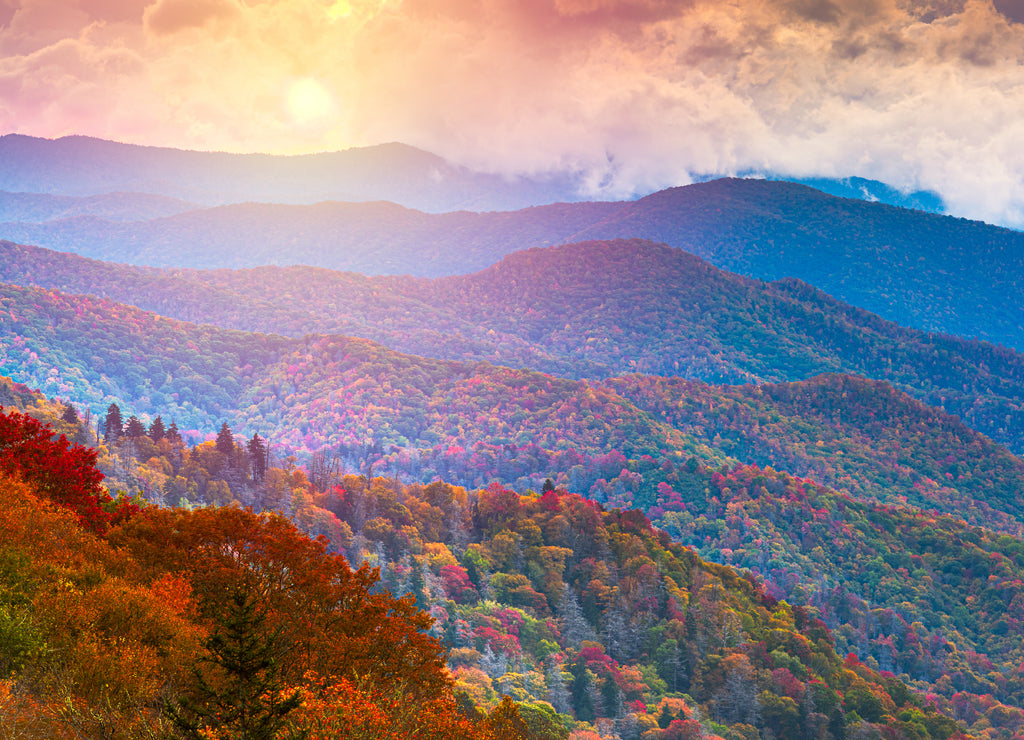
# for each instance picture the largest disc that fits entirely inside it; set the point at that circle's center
(923, 270)
(81, 165)
(590, 310)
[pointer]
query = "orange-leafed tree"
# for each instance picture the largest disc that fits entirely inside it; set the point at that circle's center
(358, 709)
(327, 617)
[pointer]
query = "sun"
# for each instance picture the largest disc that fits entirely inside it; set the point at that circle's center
(309, 103)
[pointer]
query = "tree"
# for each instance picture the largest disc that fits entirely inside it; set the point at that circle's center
(241, 690)
(173, 435)
(57, 470)
(70, 415)
(582, 702)
(225, 440)
(331, 618)
(113, 425)
(134, 428)
(505, 723)
(157, 430)
(258, 457)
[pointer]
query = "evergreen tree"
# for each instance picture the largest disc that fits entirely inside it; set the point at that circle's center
(113, 424)
(239, 695)
(157, 430)
(70, 415)
(582, 701)
(134, 428)
(173, 435)
(258, 457)
(225, 440)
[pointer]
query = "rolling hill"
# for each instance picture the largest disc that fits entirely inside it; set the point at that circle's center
(590, 310)
(474, 422)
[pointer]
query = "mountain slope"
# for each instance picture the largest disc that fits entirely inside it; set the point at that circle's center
(932, 272)
(587, 310)
(473, 422)
(38, 208)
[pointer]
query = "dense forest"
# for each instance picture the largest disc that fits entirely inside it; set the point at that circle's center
(590, 310)
(472, 423)
(521, 616)
(894, 585)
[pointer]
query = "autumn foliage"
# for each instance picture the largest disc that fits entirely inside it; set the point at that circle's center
(62, 472)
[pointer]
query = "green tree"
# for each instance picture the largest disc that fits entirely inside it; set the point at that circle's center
(582, 705)
(225, 440)
(113, 424)
(237, 688)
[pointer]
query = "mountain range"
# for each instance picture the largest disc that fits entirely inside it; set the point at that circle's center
(85, 166)
(931, 272)
(589, 310)
(573, 308)
(707, 355)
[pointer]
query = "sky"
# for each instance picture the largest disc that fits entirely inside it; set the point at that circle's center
(633, 95)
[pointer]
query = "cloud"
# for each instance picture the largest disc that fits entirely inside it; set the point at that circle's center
(1013, 10)
(633, 95)
(171, 16)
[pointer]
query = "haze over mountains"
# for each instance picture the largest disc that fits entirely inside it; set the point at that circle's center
(84, 166)
(932, 272)
(590, 310)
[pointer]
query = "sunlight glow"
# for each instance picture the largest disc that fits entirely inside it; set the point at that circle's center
(309, 102)
(340, 9)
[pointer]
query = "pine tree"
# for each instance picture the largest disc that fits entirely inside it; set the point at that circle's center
(113, 424)
(258, 457)
(157, 430)
(240, 692)
(225, 440)
(173, 435)
(582, 685)
(134, 428)
(70, 415)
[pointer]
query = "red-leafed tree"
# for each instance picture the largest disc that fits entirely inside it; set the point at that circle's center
(64, 473)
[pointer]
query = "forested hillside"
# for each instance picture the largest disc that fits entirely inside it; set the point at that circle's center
(859, 531)
(901, 609)
(587, 310)
(590, 619)
(473, 423)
